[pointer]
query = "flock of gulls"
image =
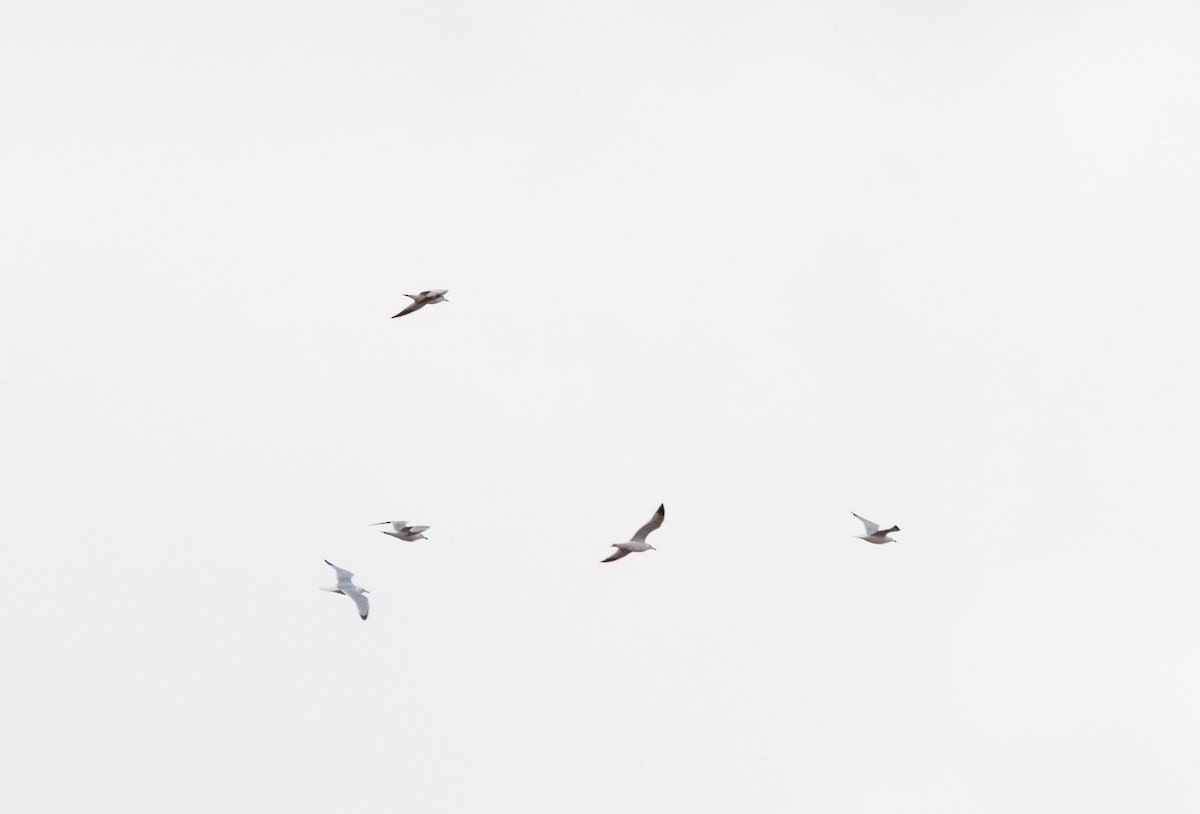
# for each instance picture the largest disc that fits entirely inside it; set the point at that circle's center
(402, 530)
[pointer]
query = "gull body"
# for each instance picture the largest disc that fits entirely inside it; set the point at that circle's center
(875, 534)
(638, 542)
(403, 531)
(419, 301)
(346, 587)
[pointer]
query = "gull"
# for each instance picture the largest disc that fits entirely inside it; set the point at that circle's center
(346, 587)
(638, 543)
(419, 301)
(874, 533)
(403, 531)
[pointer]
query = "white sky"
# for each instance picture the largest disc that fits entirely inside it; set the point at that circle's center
(767, 263)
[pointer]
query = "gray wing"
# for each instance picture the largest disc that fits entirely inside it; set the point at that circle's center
(416, 529)
(870, 527)
(398, 525)
(616, 555)
(654, 523)
(342, 574)
(416, 306)
(355, 593)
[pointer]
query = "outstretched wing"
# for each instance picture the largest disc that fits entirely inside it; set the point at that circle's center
(870, 527)
(360, 600)
(416, 306)
(416, 529)
(399, 525)
(654, 523)
(342, 574)
(616, 555)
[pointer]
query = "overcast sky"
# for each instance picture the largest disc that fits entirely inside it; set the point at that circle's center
(766, 263)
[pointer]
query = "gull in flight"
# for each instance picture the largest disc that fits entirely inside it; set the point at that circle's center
(638, 543)
(346, 587)
(403, 531)
(419, 301)
(875, 534)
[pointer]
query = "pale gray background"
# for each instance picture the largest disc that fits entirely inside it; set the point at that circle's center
(768, 263)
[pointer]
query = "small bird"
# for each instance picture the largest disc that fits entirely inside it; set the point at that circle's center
(874, 533)
(403, 531)
(638, 543)
(419, 301)
(346, 587)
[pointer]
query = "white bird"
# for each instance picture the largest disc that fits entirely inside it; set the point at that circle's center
(638, 543)
(403, 531)
(346, 587)
(874, 533)
(419, 301)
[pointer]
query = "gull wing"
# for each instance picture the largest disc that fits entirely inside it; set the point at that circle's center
(616, 555)
(416, 529)
(342, 574)
(653, 523)
(355, 593)
(416, 306)
(870, 527)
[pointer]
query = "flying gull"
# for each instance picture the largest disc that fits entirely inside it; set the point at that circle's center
(403, 531)
(875, 534)
(638, 543)
(346, 587)
(419, 301)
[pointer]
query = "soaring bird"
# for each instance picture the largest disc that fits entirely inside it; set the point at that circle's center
(403, 531)
(638, 543)
(419, 301)
(875, 534)
(346, 586)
